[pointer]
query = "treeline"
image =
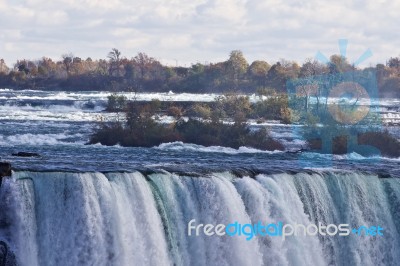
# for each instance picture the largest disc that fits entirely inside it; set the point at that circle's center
(231, 107)
(143, 73)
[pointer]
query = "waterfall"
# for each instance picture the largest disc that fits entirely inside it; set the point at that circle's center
(54, 218)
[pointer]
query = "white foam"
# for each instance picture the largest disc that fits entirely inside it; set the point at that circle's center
(53, 113)
(356, 156)
(350, 156)
(39, 139)
(180, 146)
(102, 95)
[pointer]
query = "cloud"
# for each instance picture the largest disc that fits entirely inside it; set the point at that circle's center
(197, 30)
(233, 11)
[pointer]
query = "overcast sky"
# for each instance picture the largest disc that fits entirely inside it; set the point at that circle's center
(190, 31)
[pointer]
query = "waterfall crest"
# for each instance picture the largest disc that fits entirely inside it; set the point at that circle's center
(136, 219)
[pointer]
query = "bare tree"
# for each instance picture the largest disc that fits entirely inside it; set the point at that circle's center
(115, 61)
(114, 55)
(67, 60)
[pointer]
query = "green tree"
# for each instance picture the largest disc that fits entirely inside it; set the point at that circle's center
(276, 77)
(116, 103)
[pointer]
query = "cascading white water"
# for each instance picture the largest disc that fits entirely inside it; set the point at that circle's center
(274, 199)
(18, 220)
(358, 200)
(132, 219)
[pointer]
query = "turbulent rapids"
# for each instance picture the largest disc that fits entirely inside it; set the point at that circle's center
(78, 204)
(56, 218)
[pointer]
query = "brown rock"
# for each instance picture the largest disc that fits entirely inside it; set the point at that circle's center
(5, 169)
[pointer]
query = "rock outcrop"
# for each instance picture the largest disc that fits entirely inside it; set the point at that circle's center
(26, 154)
(7, 257)
(5, 170)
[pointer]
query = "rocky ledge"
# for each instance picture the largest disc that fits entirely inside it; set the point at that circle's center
(7, 257)
(5, 170)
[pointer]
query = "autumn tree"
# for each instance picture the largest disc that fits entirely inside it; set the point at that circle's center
(3, 67)
(90, 65)
(148, 70)
(47, 68)
(144, 64)
(67, 60)
(29, 68)
(339, 64)
(102, 67)
(258, 71)
(237, 66)
(312, 67)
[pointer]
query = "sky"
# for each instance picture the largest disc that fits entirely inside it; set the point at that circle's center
(183, 32)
